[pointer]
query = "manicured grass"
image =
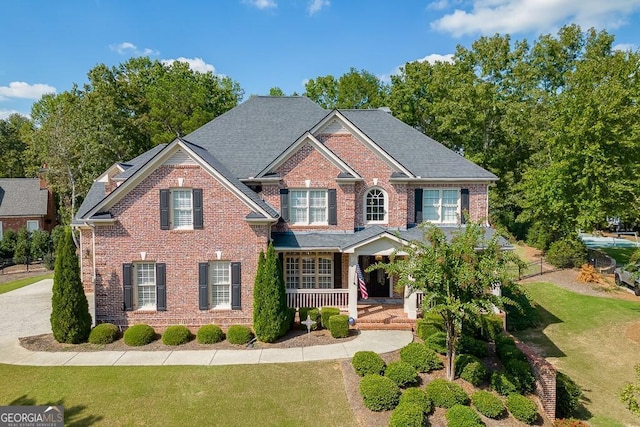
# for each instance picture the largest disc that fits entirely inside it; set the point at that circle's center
(584, 336)
(301, 394)
(16, 284)
(621, 255)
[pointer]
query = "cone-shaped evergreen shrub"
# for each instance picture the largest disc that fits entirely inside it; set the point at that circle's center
(270, 313)
(70, 318)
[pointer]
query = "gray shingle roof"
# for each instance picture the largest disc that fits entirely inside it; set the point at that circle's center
(253, 134)
(22, 197)
(94, 196)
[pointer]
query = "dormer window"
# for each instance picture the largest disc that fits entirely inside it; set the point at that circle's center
(375, 206)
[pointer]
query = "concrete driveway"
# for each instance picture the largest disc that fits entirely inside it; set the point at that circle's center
(26, 311)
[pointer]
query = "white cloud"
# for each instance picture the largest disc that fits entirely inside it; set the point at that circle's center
(4, 114)
(517, 16)
(317, 5)
(128, 48)
(25, 90)
(438, 5)
(262, 4)
(436, 57)
(196, 64)
(630, 47)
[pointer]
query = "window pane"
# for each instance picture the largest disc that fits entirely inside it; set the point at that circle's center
(308, 273)
(220, 284)
(375, 205)
(450, 205)
(292, 273)
(431, 205)
(317, 206)
(325, 276)
(182, 209)
(32, 226)
(298, 200)
(146, 284)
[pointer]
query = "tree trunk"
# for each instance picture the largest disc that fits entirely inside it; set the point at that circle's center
(450, 368)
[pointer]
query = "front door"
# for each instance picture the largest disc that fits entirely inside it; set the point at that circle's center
(378, 283)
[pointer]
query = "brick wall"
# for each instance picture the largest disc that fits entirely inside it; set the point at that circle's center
(137, 229)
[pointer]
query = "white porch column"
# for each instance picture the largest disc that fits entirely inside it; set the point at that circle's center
(353, 289)
(410, 303)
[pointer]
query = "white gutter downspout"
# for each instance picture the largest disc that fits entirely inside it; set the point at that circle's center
(92, 301)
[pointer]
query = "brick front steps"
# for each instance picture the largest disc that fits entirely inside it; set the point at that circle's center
(383, 317)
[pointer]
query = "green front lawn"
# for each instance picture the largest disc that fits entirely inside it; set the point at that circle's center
(587, 338)
(299, 394)
(16, 284)
(621, 255)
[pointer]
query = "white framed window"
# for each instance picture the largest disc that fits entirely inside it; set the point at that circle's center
(441, 205)
(145, 283)
(220, 281)
(33, 225)
(309, 270)
(308, 207)
(375, 206)
(182, 209)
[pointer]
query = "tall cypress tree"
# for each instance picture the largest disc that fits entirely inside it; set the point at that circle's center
(270, 314)
(70, 318)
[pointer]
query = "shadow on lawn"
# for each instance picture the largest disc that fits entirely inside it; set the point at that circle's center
(535, 337)
(72, 415)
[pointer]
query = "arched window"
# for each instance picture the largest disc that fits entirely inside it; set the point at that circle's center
(375, 209)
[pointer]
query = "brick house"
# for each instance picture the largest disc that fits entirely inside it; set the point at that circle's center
(26, 202)
(173, 236)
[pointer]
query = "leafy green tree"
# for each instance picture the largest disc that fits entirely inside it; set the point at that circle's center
(270, 313)
(22, 253)
(13, 146)
(457, 277)
(70, 318)
(40, 244)
(8, 244)
(355, 89)
(276, 91)
(630, 394)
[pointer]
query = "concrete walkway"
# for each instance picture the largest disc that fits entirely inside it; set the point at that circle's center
(26, 312)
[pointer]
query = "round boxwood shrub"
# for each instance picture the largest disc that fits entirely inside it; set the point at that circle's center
(176, 335)
(463, 416)
(445, 394)
(474, 372)
(420, 357)
(209, 334)
(568, 395)
(488, 404)
(417, 396)
(470, 345)
(522, 408)
(521, 374)
(503, 383)
(427, 326)
(104, 333)
(437, 342)
(368, 362)
(379, 393)
(138, 335)
(239, 334)
(407, 415)
(402, 373)
(312, 313)
(567, 253)
(326, 313)
(339, 325)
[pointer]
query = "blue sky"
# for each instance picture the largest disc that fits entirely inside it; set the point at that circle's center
(49, 45)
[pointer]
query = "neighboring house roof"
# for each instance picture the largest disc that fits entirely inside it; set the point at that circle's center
(22, 197)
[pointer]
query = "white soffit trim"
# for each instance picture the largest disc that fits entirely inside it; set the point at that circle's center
(385, 235)
(362, 137)
(105, 175)
(313, 141)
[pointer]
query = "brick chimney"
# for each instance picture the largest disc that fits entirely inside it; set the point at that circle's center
(42, 175)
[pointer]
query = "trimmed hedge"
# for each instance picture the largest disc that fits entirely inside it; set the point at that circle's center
(488, 404)
(104, 333)
(176, 335)
(239, 334)
(417, 396)
(407, 415)
(521, 374)
(463, 416)
(339, 325)
(474, 372)
(566, 253)
(437, 342)
(522, 408)
(420, 357)
(445, 394)
(138, 335)
(568, 395)
(368, 362)
(325, 315)
(379, 393)
(470, 345)
(209, 334)
(313, 313)
(429, 325)
(503, 383)
(402, 373)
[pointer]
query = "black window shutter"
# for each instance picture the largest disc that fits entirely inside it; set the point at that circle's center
(418, 205)
(236, 278)
(337, 270)
(333, 208)
(464, 204)
(161, 287)
(203, 285)
(164, 209)
(198, 223)
(127, 286)
(284, 204)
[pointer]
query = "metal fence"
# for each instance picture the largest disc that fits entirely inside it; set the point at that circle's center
(531, 269)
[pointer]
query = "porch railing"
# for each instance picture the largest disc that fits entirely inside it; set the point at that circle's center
(297, 298)
(419, 298)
